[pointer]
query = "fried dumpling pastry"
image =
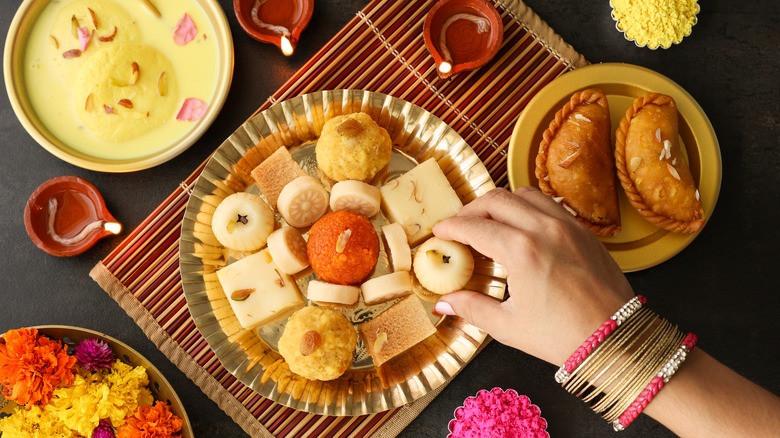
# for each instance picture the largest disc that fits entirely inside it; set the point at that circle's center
(652, 169)
(574, 164)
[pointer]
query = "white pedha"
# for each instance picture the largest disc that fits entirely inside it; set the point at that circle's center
(242, 221)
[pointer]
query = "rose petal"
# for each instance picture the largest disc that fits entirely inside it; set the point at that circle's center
(84, 37)
(193, 109)
(185, 31)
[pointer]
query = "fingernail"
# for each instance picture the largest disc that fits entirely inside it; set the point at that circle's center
(443, 308)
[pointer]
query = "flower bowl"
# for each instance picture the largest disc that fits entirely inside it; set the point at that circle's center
(159, 386)
(498, 412)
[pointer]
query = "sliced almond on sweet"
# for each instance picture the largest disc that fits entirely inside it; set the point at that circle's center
(633, 165)
(343, 239)
(72, 53)
(379, 342)
(95, 21)
(74, 26)
(54, 42)
(108, 109)
(135, 72)
(126, 103)
(108, 38)
(89, 104)
(673, 171)
(162, 84)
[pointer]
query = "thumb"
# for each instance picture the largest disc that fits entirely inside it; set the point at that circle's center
(475, 308)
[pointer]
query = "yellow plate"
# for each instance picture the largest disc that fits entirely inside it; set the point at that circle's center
(52, 128)
(639, 245)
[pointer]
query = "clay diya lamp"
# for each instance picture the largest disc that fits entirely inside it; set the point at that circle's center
(66, 215)
(462, 35)
(279, 22)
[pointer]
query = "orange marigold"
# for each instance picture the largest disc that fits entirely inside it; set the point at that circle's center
(32, 367)
(151, 422)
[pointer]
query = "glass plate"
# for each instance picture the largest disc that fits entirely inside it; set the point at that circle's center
(639, 245)
(251, 355)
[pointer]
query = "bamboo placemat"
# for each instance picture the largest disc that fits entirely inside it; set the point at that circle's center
(381, 49)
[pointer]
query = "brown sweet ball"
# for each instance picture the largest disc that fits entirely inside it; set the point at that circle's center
(353, 146)
(343, 247)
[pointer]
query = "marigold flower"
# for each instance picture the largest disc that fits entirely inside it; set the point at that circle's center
(151, 422)
(32, 367)
(94, 354)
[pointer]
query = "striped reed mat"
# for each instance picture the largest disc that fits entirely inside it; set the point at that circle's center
(381, 49)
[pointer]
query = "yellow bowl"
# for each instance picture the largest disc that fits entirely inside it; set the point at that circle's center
(156, 148)
(158, 384)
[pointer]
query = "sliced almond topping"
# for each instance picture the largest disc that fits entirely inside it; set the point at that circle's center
(54, 42)
(72, 53)
(134, 73)
(149, 5)
(89, 104)
(74, 26)
(341, 242)
(566, 162)
(126, 103)
(569, 209)
(379, 343)
(268, 258)
(667, 149)
(673, 171)
(658, 134)
(108, 109)
(162, 84)
(279, 278)
(310, 342)
(558, 199)
(633, 165)
(108, 38)
(350, 128)
(580, 117)
(95, 21)
(698, 196)
(241, 294)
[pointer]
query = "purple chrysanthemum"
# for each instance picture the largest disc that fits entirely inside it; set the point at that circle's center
(94, 354)
(103, 430)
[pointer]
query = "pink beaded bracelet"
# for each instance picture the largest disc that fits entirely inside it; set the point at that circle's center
(656, 384)
(564, 372)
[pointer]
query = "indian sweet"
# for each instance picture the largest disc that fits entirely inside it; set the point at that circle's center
(356, 196)
(397, 329)
(386, 287)
(353, 146)
(242, 221)
(419, 199)
(258, 292)
(652, 169)
(288, 250)
(302, 201)
(575, 165)
(275, 172)
(343, 247)
(324, 293)
(397, 247)
(443, 266)
(317, 343)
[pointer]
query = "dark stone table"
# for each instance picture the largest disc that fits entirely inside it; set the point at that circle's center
(725, 285)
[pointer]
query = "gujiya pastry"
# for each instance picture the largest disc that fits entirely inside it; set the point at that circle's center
(117, 80)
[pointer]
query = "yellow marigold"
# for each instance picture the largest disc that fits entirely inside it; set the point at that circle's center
(33, 423)
(110, 394)
(655, 23)
(151, 422)
(32, 367)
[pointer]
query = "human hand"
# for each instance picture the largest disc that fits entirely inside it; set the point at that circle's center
(562, 282)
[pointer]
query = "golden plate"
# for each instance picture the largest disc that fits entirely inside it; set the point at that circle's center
(51, 128)
(639, 245)
(159, 386)
(251, 355)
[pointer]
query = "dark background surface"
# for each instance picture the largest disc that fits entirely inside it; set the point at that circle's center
(724, 285)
